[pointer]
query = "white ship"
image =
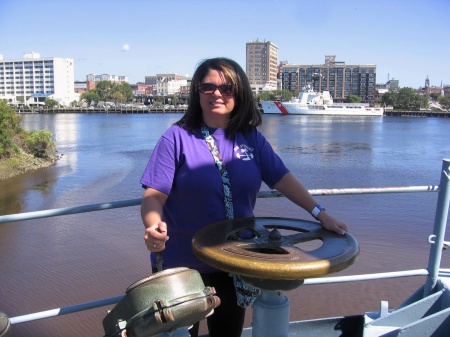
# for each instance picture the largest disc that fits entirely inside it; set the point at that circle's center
(273, 107)
(310, 102)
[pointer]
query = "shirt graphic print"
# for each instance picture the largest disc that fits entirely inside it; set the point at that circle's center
(243, 152)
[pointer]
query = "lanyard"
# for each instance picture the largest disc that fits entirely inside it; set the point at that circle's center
(245, 294)
(228, 198)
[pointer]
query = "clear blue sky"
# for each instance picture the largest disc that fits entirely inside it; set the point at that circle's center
(406, 39)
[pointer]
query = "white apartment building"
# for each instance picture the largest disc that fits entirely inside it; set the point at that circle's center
(105, 77)
(31, 79)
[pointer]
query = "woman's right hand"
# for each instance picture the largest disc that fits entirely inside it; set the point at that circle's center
(156, 236)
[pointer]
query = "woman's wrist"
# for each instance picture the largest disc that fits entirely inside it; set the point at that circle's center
(317, 210)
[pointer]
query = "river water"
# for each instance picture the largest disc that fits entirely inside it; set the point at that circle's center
(55, 262)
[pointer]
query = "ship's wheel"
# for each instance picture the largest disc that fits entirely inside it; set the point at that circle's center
(268, 252)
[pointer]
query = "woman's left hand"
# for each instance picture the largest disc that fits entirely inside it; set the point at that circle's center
(332, 224)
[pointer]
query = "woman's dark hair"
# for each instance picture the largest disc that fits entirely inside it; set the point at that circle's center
(245, 115)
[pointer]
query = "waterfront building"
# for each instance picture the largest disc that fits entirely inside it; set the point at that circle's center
(170, 84)
(105, 77)
(151, 80)
(340, 79)
(32, 79)
(261, 65)
(382, 88)
(81, 87)
(428, 89)
(393, 84)
(446, 89)
(141, 89)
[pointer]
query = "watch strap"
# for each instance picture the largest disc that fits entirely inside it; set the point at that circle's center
(316, 210)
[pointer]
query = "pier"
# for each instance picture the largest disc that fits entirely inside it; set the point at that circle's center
(417, 113)
(124, 110)
(146, 109)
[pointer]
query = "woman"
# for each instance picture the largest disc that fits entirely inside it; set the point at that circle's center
(188, 185)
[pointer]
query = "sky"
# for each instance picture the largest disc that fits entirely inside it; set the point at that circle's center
(407, 40)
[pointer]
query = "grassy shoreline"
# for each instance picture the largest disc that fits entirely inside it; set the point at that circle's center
(23, 163)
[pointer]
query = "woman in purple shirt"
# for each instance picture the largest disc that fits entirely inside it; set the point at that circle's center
(185, 190)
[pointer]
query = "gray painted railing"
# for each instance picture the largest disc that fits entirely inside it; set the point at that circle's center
(433, 271)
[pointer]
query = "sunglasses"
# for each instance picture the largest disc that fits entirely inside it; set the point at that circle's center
(209, 89)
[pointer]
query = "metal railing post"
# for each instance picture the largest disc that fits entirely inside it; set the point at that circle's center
(440, 222)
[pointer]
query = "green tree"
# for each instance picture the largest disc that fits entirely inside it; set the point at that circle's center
(118, 97)
(353, 99)
(39, 144)
(389, 98)
(435, 96)
(444, 101)
(125, 89)
(105, 90)
(50, 102)
(275, 95)
(9, 128)
(90, 97)
(405, 98)
(14, 140)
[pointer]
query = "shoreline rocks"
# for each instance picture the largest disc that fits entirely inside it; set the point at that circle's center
(26, 163)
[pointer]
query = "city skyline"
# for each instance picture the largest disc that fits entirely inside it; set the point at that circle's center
(138, 38)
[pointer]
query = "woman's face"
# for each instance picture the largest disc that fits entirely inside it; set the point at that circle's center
(217, 104)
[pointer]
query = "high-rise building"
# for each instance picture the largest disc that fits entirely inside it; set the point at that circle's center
(31, 79)
(262, 65)
(340, 79)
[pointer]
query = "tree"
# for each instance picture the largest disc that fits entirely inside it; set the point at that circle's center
(104, 90)
(275, 95)
(353, 99)
(125, 89)
(118, 97)
(389, 99)
(107, 90)
(50, 102)
(90, 97)
(434, 96)
(444, 101)
(405, 98)
(40, 144)
(13, 139)
(9, 128)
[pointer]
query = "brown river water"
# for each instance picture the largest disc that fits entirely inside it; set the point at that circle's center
(60, 261)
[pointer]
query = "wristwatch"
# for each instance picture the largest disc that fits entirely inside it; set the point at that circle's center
(316, 210)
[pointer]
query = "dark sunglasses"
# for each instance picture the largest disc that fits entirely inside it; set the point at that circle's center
(209, 89)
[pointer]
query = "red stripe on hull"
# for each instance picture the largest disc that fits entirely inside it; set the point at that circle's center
(281, 107)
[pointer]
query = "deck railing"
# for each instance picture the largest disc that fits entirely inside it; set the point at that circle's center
(432, 272)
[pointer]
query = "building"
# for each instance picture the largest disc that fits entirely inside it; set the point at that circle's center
(151, 80)
(80, 87)
(105, 77)
(32, 79)
(393, 84)
(382, 88)
(141, 89)
(340, 79)
(261, 65)
(428, 89)
(169, 84)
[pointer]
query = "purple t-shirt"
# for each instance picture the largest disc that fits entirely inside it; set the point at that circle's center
(182, 167)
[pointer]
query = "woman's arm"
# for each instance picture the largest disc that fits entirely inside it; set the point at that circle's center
(151, 213)
(290, 187)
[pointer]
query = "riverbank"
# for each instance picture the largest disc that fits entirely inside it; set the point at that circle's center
(149, 110)
(24, 163)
